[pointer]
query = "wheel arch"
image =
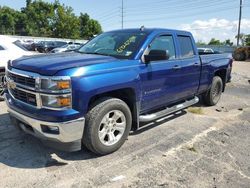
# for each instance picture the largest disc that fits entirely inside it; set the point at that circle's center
(128, 95)
(222, 73)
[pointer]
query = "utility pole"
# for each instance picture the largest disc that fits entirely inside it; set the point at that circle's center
(122, 13)
(238, 36)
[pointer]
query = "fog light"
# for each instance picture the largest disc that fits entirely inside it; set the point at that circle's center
(50, 129)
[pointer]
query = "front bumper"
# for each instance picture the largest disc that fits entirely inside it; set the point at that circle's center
(69, 133)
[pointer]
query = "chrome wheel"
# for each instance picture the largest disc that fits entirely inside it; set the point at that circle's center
(112, 127)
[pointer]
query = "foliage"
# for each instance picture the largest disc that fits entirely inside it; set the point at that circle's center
(200, 43)
(247, 40)
(89, 27)
(228, 42)
(66, 24)
(242, 38)
(40, 18)
(7, 20)
(214, 41)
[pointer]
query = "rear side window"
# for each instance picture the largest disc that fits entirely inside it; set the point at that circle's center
(1, 48)
(186, 46)
(165, 43)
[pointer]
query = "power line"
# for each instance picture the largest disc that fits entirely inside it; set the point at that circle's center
(188, 15)
(182, 9)
(177, 10)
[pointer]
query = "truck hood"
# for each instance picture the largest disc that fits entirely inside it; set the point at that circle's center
(50, 64)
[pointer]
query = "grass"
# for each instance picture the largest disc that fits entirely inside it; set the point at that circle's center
(195, 110)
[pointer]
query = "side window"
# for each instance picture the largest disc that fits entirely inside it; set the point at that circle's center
(165, 43)
(186, 46)
(1, 48)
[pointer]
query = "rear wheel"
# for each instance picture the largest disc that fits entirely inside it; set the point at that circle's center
(107, 126)
(212, 96)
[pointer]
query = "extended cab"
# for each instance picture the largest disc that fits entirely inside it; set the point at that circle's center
(97, 95)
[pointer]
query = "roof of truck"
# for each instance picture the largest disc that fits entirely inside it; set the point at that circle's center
(150, 30)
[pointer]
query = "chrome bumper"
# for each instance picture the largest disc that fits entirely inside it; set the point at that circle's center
(69, 131)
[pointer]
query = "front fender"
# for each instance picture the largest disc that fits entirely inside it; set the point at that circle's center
(86, 87)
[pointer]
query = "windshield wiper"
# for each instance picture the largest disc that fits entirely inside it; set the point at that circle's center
(95, 53)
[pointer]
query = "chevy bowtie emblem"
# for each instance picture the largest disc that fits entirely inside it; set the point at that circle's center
(11, 84)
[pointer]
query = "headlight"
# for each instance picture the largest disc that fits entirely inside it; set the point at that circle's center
(56, 101)
(60, 92)
(58, 84)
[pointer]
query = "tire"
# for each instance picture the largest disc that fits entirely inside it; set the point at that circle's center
(212, 96)
(239, 56)
(2, 74)
(107, 126)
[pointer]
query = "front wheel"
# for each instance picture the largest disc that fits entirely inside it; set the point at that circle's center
(212, 96)
(107, 126)
(2, 74)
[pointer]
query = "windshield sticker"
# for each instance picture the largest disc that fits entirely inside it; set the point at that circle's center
(128, 42)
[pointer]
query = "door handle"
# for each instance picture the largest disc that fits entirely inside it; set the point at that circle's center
(176, 67)
(196, 64)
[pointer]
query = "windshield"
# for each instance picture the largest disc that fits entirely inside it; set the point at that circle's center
(19, 45)
(64, 46)
(117, 44)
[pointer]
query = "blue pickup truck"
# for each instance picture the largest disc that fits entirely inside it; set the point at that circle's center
(95, 96)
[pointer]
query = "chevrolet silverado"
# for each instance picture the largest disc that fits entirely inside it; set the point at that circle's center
(95, 96)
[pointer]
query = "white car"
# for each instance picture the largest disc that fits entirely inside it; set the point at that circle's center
(66, 47)
(205, 50)
(10, 49)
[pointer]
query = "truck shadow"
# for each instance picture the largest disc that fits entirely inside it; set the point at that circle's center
(160, 121)
(20, 150)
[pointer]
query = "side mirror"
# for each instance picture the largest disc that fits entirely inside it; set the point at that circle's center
(156, 55)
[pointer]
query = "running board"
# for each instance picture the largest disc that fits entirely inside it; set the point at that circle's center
(167, 111)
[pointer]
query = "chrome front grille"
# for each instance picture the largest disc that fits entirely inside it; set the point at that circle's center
(23, 96)
(22, 86)
(26, 87)
(25, 81)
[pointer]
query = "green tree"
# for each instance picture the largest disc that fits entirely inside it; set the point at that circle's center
(66, 24)
(28, 2)
(200, 43)
(7, 20)
(89, 27)
(228, 42)
(247, 40)
(242, 38)
(43, 19)
(214, 41)
(39, 16)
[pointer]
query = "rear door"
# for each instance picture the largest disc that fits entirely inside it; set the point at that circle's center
(190, 67)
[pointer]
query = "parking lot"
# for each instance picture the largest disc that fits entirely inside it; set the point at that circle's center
(198, 147)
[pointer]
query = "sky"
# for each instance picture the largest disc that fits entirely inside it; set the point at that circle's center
(206, 19)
